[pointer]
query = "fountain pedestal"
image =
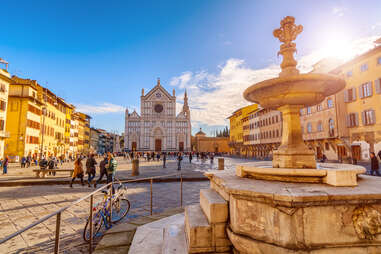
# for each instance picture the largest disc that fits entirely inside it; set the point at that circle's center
(292, 153)
(281, 217)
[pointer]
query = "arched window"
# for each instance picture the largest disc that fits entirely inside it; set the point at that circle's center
(309, 127)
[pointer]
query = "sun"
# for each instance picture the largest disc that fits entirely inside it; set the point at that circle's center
(337, 46)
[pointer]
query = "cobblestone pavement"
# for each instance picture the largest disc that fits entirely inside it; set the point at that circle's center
(20, 206)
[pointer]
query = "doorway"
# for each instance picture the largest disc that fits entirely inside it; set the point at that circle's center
(319, 153)
(356, 152)
(133, 146)
(157, 145)
(181, 146)
(341, 153)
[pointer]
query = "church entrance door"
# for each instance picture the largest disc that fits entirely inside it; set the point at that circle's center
(133, 146)
(181, 146)
(157, 145)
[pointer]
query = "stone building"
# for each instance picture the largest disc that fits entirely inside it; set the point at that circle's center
(202, 143)
(264, 132)
(158, 128)
(323, 125)
(362, 100)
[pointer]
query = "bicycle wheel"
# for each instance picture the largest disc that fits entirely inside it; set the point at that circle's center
(120, 208)
(97, 225)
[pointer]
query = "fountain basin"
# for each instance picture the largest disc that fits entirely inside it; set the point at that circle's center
(303, 89)
(329, 173)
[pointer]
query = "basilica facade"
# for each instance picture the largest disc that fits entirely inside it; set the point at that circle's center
(158, 128)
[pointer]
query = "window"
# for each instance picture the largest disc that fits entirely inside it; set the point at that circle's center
(319, 126)
(2, 124)
(331, 126)
(364, 67)
(352, 120)
(377, 85)
(309, 127)
(327, 146)
(308, 110)
(379, 60)
(330, 103)
(368, 117)
(350, 95)
(319, 107)
(349, 74)
(365, 90)
(3, 105)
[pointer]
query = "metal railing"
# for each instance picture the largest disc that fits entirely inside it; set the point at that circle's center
(91, 196)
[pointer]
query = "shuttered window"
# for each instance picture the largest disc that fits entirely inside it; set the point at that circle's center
(352, 120)
(365, 90)
(3, 105)
(377, 85)
(350, 95)
(368, 117)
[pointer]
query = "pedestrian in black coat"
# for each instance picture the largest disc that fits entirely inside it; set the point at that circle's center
(374, 167)
(102, 170)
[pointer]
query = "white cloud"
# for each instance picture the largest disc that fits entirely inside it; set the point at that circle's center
(103, 108)
(214, 96)
(338, 11)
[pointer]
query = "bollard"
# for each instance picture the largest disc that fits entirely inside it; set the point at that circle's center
(135, 167)
(221, 163)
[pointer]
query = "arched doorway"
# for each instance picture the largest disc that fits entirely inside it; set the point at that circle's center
(157, 145)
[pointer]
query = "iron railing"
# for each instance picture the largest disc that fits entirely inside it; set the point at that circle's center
(91, 196)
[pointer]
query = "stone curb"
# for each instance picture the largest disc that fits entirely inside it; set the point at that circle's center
(67, 182)
(118, 239)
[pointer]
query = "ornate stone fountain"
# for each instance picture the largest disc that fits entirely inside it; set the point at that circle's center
(289, 93)
(292, 205)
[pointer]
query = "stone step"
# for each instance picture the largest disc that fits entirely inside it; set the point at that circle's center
(214, 206)
(198, 231)
(174, 241)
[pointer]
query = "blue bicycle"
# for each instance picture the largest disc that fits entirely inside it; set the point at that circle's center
(119, 205)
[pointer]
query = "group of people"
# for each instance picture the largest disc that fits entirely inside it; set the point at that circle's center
(107, 168)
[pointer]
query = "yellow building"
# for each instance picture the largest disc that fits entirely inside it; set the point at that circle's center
(362, 97)
(83, 132)
(53, 123)
(69, 109)
(237, 120)
(23, 119)
(4, 88)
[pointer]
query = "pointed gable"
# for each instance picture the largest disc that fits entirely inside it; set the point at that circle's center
(134, 115)
(158, 93)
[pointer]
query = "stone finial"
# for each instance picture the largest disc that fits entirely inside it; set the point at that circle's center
(142, 91)
(158, 81)
(287, 33)
(173, 92)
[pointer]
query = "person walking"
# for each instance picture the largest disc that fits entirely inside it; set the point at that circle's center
(90, 168)
(179, 159)
(5, 165)
(211, 156)
(374, 167)
(78, 172)
(102, 171)
(164, 159)
(190, 158)
(379, 154)
(111, 169)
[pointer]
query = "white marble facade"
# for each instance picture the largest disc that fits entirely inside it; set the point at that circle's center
(158, 128)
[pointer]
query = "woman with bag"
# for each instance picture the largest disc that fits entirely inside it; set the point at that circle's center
(78, 172)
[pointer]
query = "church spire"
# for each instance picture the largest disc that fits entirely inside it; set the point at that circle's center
(186, 106)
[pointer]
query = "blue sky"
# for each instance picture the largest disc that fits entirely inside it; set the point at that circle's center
(99, 54)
